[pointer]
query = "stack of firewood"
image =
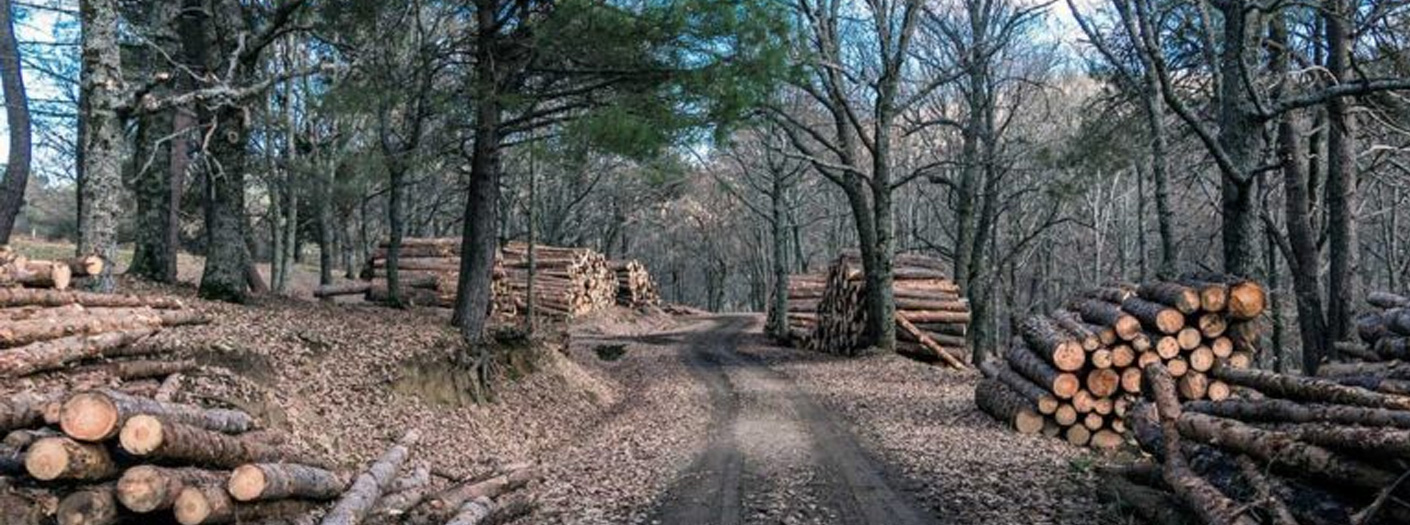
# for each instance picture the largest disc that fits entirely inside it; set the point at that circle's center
(16, 270)
(1077, 371)
(1288, 450)
(568, 282)
(635, 288)
(931, 317)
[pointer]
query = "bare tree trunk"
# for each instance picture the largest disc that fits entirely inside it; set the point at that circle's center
(481, 206)
(1341, 178)
(102, 181)
(778, 235)
(1169, 251)
(17, 117)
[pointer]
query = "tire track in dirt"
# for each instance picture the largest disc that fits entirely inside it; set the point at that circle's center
(774, 454)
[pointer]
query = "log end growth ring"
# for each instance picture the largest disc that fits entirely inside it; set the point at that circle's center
(141, 488)
(141, 435)
(47, 459)
(247, 483)
(89, 416)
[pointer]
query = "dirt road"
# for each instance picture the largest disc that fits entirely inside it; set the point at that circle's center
(774, 455)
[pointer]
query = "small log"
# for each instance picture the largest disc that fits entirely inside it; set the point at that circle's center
(166, 392)
(1002, 403)
(1271, 410)
(1387, 300)
(23, 438)
(1167, 347)
(1201, 359)
(24, 410)
(1174, 295)
(1065, 415)
(1041, 398)
(1193, 385)
(437, 508)
(1122, 356)
(1154, 316)
(1177, 367)
(1388, 370)
(355, 505)
(1189, 338)
(273, 481)
(1276, 508)
(1104, 439)
(1155, 506)
(62, 458)
(86, 265)
(1218, 391)
(1103, 382)
(1247, 300)
(101, 415)
(1109, 314)
(345, 288)
(1049, 341)
(1212, 506)
(1131, 380)
(95, 505)
(148, 488)
(210, 505)
(1093, 421)
(1078, 435)
(139, 369)
(1024, 361)
(149, 436)
(1212, 325)
(41, 297)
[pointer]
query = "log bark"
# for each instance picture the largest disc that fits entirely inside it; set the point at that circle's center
(148, 488)
(1048, 340)
(346, 288)
(1284, 411)
(274, 481)
(1041, 398)
(1307, 388)
(95, 505)
(1024, 361)
(1002, 403)
(1389, 370)
(1282, 449)
(148, 436)
(1154, 316)
(1174, 295)
(1212, 506)
(439, 507)
(40, 297)
(24, 410)
(1387, 300)
(54, 354)
(1153, 505)
(58, 458)
(355, 505)
(101, 415)
(138, 369)
(1109, 314)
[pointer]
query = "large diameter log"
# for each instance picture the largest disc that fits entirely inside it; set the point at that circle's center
(1174, 295)
(273, 481)
(1282, 449)
(148, 436)
(54, 354)
(1154, 316)
(355, 505)
(210, 505)
(1003, 404)
(1041, 397)
(95, 505)
(1103, 382)
(100, 415)
(1247, 300)
(1109, 314)
(62, 458)
(1375, 441)
(1024, 361)
(1048, 340)
(347, 288)
(1307, 388)
(148, 488)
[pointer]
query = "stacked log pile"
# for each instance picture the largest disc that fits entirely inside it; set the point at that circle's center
(568, 281)
(805, 291)
(931, 317)
(635, 288)
(1076, 372)
(18, 271)
(1382, 362)
(1292, 450)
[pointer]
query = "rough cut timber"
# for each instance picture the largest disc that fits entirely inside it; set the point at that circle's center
(10, 297)
(446, 503)
(62, 458)
(144, 435)
(54, 354)
(210, 505)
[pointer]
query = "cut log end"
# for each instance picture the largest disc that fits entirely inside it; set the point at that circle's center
(1066, 385)
(61, 458)
(141, 434)
(195, 505)
(142, 489)
(89, 416)
(247, 483)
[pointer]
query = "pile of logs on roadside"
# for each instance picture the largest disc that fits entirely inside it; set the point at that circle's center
(569, 282)
(827, 312)
(1287, 450)
(1382, 362)
(18, 271)
(635, 288)
(1077, 371)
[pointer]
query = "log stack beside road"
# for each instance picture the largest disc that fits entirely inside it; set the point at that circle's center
(1382, 361)
(1076, 372)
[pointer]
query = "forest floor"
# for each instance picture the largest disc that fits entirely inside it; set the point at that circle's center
(695, 420)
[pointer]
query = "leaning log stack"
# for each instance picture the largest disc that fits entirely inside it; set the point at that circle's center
(1289, 449)
(635, 288)
(1076, 372)
(931, 317)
